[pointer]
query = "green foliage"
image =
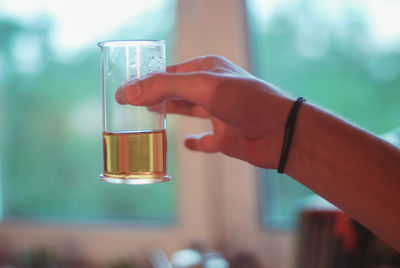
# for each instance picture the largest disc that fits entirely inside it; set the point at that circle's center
(339, 70)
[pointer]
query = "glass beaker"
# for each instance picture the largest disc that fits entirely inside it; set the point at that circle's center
(134, 138)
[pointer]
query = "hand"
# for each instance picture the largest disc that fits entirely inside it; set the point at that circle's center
(347, 166)
(248, 115)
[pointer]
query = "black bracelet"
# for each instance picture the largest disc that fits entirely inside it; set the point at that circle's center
(289, 129)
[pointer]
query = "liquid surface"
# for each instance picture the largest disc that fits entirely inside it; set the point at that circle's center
(135, 155)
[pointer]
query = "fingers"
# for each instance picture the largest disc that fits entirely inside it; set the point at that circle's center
(232, 96)
(204, 142)
(203, 63)
(185, 67)
(197, 88)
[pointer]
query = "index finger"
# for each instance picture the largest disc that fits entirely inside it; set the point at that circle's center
(202, 63)
(185, 67)
(198, 88)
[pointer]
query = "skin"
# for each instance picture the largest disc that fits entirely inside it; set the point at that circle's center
(354, 170)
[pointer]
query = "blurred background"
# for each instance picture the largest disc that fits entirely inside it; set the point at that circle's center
(341, 55)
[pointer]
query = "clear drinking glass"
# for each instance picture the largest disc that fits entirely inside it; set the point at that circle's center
(134, 138)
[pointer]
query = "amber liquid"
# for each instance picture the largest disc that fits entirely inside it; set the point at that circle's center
(135, 155)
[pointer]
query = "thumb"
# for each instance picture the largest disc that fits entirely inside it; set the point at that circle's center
(204, 142)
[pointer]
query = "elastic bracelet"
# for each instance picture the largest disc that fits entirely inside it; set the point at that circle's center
(289, 130)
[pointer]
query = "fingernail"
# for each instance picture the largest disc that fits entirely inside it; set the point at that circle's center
(190, 143)
(119, 95)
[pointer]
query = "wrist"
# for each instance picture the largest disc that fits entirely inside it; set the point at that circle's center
(284, 105)
(290, 127)
(279, 109)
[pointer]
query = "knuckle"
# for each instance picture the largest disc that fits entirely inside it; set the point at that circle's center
(211, 61)
(215, 58)
(212, 83)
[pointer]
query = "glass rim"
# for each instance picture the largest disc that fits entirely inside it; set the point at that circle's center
(109, 43)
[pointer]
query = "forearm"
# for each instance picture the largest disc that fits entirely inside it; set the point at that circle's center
(350, 168)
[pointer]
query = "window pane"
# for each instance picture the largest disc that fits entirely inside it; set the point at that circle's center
(51, 141)
(342, 55)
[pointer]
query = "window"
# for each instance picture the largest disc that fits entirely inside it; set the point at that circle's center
(342, 55)
(51, 146)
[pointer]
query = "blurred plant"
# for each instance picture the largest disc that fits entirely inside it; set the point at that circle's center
(37, 258)
(123, 263)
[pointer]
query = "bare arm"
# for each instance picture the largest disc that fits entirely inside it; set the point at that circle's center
(351, 168)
